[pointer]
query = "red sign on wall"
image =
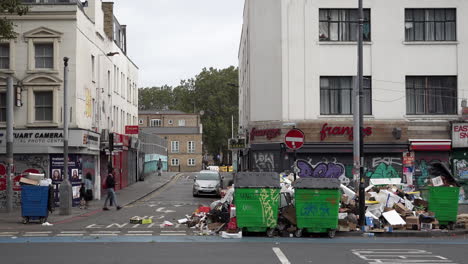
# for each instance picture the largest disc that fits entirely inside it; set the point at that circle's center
(341, 131)
(131, 130)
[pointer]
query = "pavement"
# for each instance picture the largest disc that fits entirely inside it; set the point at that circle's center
(125, 197)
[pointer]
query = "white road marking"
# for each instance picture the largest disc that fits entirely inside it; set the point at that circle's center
(69, 235)
(400, 256)
(95, 226)
(282, 258)
(136, 225)
(167, 231)
(150, 225)
(108, 232)
(73, 232)
(35, 235)
(102, 234)
(8, 233)
(160, 210)
(176, 234)
(39, 232)
(117, 225)
(140, 231)
(138, 234)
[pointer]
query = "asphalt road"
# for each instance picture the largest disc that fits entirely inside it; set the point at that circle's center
(352, 251)
(170, 203)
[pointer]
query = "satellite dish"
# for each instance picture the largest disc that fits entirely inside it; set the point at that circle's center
(202, 112)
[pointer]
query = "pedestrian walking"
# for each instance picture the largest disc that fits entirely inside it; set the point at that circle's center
(159, 166)
(82, 196)
(110, 186)
(88, 186)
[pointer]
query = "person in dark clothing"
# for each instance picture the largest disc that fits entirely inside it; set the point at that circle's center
(111, 197)
(160, 165)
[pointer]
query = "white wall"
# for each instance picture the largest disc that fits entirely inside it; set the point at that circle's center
(387, 58)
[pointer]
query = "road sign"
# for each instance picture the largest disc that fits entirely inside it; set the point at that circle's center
(294, 139)
(131, 130)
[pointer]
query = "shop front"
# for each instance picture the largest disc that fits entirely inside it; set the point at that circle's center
(328, 150)
(459, 158)
(41, 151)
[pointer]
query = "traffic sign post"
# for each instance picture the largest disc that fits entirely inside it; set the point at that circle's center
(294, 140)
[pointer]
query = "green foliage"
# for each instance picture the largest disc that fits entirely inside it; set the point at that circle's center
(213, 91)
(9, 7)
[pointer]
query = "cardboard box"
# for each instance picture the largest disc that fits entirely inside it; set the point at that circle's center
(401, 209)
(28, 181)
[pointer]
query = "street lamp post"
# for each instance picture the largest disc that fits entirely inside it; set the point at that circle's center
(65, 188)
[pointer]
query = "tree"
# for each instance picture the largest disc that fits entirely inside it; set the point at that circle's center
(9, 7)
(213, 92)
(216, 93)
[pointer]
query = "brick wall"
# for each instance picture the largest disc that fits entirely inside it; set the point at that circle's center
(108, 9)
(183, 156)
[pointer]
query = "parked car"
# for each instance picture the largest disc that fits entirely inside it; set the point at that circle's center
(208, 182)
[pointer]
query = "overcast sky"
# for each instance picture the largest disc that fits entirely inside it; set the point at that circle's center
(171, 40)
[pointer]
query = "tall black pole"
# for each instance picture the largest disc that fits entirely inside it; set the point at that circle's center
(361, 114)
(9, 143)
(65, 188)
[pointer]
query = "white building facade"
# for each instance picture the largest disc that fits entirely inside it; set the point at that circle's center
(297, 60)
(102, 83)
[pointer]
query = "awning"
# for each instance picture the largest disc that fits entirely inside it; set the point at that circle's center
(430, 144)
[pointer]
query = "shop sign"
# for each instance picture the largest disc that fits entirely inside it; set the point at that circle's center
(268, 133)
(341, 131)
(52, 138)
(460, 135)
(236, 143)
(131, 130)
(408, 159)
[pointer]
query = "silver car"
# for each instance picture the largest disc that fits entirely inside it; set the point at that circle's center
(208, 182)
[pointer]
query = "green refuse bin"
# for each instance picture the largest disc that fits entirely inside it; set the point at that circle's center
(443, 202)
(257, 196)
(317, 202)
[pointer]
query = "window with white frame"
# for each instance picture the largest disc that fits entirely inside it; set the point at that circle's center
(4, 56)
(182, 122)
(44, 55)
(2, 107)
(336, 95)
(43, 104)
(174, 162)
(155, 122)
(175, 146)
(439, 24)
(191, 162)
(191, 147)
(342, 25)
(431, 95)
(170, 122)
(93, 69)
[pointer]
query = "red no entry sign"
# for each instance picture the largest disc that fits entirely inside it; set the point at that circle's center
(294, 139)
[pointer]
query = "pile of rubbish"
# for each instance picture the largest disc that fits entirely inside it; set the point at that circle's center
(389, 205)
(218, 218)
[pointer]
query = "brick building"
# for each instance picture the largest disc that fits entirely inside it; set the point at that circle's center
(183, 133)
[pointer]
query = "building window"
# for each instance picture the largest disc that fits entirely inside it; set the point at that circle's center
(44, 55)
(140, 122)
(342, 25)
(430, 24)
(182, 122)
(174, 162)
(155, 122)
(191, 162)
(336, 95)
(170, 122)
(43, 104)
(191, 147)
(4, 56)
(175, 146)
(3, 107)
(93, 69)
(434, 95)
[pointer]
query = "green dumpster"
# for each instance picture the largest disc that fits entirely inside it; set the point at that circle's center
(317, 205)
(256, 195)
(443, 202)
